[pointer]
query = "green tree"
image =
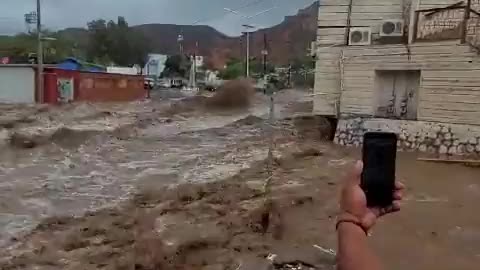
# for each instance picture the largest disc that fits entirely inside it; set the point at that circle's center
(235, 69)
(256, 67)
(116, 43)
(177, 66)
(20, 46)
(103, 43)
(99, 42)
(140, 47)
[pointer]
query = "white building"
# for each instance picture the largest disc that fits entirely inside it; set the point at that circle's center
(155, 65)
(135, 70)
(199, 61)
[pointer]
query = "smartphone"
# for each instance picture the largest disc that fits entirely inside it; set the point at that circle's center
(378, 176)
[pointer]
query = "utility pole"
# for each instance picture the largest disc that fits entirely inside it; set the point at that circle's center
(265, 54)
(194, 83)
(180, 42)
(248, 27)
(289, 63)
(289, 75)
(39, 54)
(247, 32)
(248, 54)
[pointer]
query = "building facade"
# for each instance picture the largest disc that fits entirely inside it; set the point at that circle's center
(63, 86)
(410, 67)
(155, 65)
(17, 84)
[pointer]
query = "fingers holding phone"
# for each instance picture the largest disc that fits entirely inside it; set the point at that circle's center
(371, 189)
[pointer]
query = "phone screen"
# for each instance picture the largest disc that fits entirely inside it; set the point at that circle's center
(378, 177)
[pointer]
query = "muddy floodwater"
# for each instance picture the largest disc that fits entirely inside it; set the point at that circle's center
(110, 150)
(438, 227)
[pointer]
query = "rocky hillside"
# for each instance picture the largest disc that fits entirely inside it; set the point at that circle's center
(289, 39)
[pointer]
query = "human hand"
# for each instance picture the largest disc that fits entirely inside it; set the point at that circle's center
(353, 202)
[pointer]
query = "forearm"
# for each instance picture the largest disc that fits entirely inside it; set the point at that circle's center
(354, 252)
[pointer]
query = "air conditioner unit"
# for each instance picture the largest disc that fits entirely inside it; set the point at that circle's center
(392, 28)
(360, 36)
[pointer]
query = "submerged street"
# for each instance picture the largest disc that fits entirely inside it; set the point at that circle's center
(99, 157)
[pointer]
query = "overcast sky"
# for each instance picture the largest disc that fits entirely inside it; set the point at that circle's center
(59, 14)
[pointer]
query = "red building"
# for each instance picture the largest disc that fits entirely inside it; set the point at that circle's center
(71, 85)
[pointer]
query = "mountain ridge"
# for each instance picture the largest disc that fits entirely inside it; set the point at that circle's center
(288, 40)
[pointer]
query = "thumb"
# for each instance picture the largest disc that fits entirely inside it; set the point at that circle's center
(356, 173)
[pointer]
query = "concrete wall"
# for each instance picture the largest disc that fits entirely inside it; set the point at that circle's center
(17, 84)
(431, 137)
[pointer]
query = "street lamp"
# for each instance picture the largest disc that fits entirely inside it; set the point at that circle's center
(180, 42)
(39, 53)
(247, 31)
(248, 28)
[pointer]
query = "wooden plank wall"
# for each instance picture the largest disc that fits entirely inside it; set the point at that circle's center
(373, 12)
(327, 80)
(364, 12)
(450, 73)
(333, 13)
(332, 22)
(450, 79)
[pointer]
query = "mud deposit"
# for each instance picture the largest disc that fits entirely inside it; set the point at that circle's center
(221, 225)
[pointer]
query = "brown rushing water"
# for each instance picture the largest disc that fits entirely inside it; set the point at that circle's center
(438, 227)
(54, 180)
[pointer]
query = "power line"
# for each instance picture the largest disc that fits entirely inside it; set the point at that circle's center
(253, 3)
(10, 20)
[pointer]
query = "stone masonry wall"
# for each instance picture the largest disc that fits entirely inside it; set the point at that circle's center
(431, 137)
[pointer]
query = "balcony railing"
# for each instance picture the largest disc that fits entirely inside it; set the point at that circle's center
(457, 21)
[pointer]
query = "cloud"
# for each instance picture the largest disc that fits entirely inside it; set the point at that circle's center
(58, 14)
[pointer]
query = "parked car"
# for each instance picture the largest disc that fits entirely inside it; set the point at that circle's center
(165, 83)
(177, 83)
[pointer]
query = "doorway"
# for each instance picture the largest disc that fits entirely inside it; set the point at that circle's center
(65, 90)
(396, 94)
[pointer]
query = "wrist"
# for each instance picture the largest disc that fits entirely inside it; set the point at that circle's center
(350, 228)
(347, 220)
